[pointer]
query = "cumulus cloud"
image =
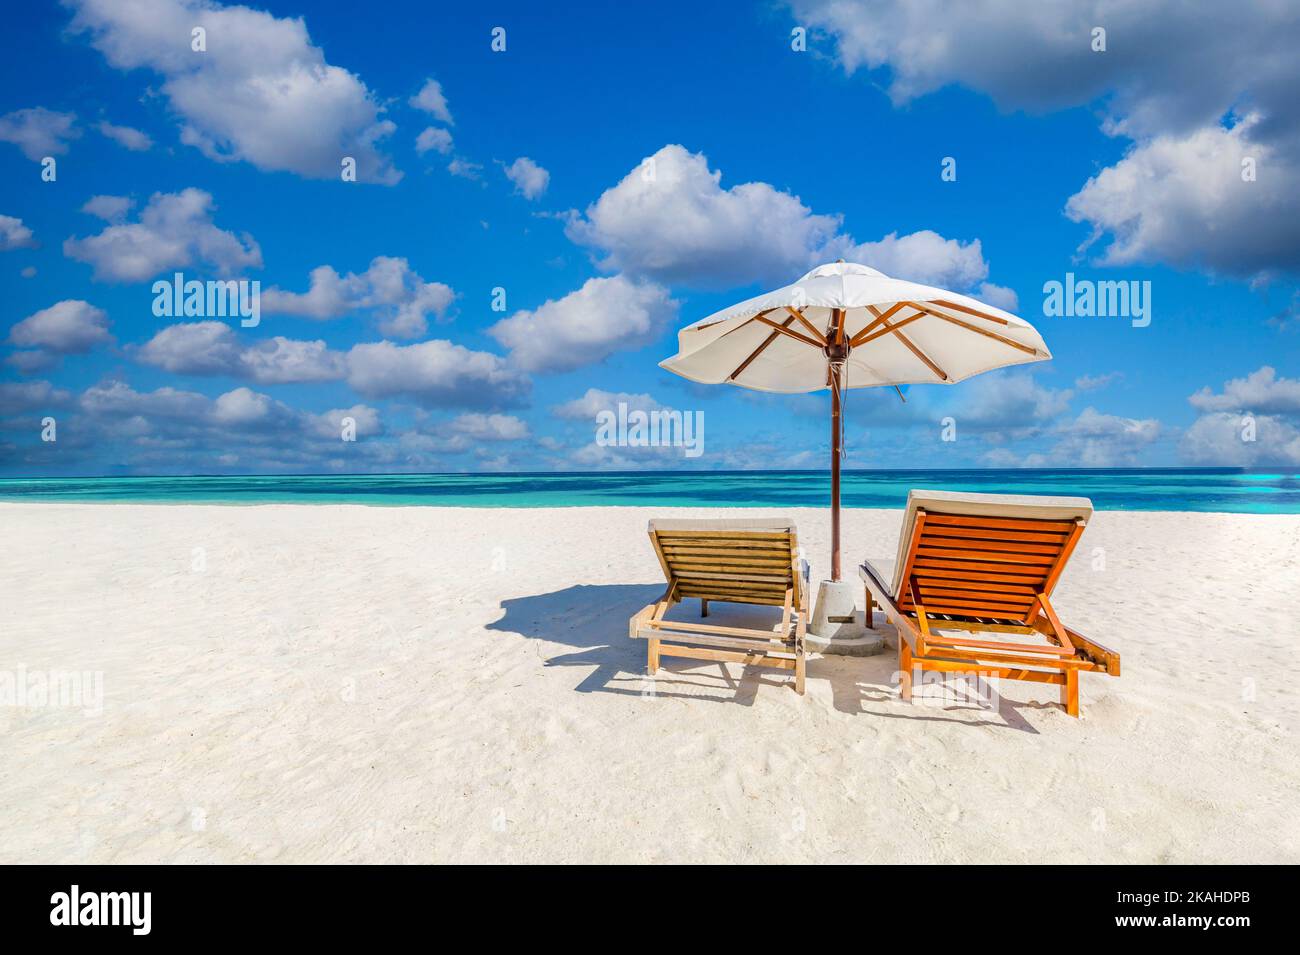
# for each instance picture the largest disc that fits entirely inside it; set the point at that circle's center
(465, 169)
(433, 138)
(1178, 196)
(596, 400)
(671, 220)
(14, 235)
(213, 348)
(1182, 200)
(436, 373)
(112, 209)
(400, 298)
(126, 137)
(586, 326)
(490, 427)
(1254, 420)
(1091, 440)
(17, 397)
(175, 231)
(262, 92)
(1014, 403)
(1261, 390)
(530, 179)
(433, 101)
(39, 132)
(70, 327)
(234, 421)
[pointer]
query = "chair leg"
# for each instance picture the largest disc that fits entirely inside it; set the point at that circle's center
(704, 607)
(799, 670)
(1070, 692)
(867, 617)
(904, 670)
(652, 656)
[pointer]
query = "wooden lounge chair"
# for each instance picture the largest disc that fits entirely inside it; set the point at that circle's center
(986, 564)
(734, 561)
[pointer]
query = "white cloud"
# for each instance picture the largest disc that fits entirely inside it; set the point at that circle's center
(596, 400)
(175, 231)
(70, 327)
(261, 93)
(433, 101)
(1170, 73)
(1011, 402)
(1262, 391)
(38, 132)
(1181, 200)
(435, 373)
(19, 396)
(465, 169)
(671, 220)
(111, 209)
(1221, 439)
(213, 348)
(126, 137)
(401, 299)
(529, 178)
(439, 140)
(1092, 440)
(330, 423)
(586, 326)
(924, 257)
(490, 427)
(118, 398)
(14, 235)
(1253, 421)
(1096, 440)
(1095, 382)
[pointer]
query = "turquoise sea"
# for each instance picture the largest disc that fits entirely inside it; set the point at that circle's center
(1166, 489)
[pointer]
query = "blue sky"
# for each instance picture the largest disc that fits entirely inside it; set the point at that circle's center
(521, 170)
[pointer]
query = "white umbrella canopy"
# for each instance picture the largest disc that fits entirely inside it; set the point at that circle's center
(845, 325)
(897, 333)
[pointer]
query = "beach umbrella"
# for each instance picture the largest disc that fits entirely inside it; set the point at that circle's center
(846, 326)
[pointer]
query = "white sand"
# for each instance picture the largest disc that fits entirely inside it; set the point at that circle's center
(440, 684)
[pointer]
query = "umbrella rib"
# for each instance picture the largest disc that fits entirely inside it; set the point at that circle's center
(859, 341)
(970, 311)
(1027, 349)
(757, 351)
(812, 329)
(784, 329)
(883, 319)
(860, 336)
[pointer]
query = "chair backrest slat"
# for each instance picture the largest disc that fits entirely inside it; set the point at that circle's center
(984, 566)
(729, 563)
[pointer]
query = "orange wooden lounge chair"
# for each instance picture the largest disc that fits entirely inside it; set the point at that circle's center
(986, 565)
(734, 561)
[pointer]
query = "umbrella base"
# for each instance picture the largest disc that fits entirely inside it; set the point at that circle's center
(837, 625)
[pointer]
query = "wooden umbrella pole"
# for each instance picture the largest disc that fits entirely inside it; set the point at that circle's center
(836, 450)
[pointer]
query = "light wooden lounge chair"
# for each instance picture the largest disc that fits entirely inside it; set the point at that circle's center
(733, 561)
(986, 564)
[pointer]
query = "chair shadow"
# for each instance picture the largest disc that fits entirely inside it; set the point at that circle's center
(592, 618)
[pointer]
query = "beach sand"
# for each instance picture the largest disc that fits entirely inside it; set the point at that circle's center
(346, 683)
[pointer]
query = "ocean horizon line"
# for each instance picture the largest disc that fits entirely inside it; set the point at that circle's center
(1231, 490)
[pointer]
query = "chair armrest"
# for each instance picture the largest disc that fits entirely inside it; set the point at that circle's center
(875, 582)
(880, 591)
(639, 619)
